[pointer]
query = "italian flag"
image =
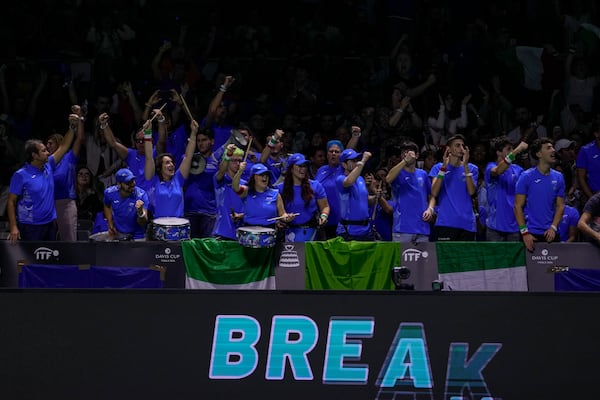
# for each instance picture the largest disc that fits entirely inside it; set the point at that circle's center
(225, 264)
(482, 266)
(340, 265)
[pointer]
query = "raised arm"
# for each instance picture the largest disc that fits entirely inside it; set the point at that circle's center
(240, 190)
(355, 173)
(149, 165)
(80, 135)
(121, 150)
(74, 122)
(275, 138)
(186, 164)
(216, 101)
(504, 164)
(229, 151)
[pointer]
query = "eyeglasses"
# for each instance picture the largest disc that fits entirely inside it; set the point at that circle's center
(236, 160)
(139, 141)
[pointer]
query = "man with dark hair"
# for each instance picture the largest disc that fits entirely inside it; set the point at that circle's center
(413, 203)
(500, 180)
(539, 198)
(454, 183)
(31, 209)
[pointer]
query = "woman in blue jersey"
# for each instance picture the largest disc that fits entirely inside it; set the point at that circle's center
(164, 182)
(305, 197)
(262, 203)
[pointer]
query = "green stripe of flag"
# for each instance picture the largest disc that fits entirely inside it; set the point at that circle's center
(341, 265)
(223, 263)
(469, 256)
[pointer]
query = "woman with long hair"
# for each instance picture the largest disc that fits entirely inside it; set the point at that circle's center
(305, 197)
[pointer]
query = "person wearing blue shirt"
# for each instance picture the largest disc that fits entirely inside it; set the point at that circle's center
(540, 193)
(589, 221)
(134, 158)
(262, 203)
(30, 207)
(588, 164)
(304, 197)
(355, 221)
(199, 192)
(125, 207)
(230, 207)
(500, 181)
(413, 203)
(453, 186)
(567, 227)
(64, 181)
(166, 183)
(326, 176)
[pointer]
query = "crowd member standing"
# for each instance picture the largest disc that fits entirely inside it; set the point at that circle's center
(588, 164)
(64, 180)
(134, 158)
(305, 197)
(166, 183)
(453, 186)
(199, 192)
(355, 221)
(229, 205)
(31, 210)
(326, 176)
(567, 228)
(262, 203)
(125, 207)
(500, 181)
(413, 203)
(272, 155)
(540, 196)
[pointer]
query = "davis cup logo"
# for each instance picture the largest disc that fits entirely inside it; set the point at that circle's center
(412, 255)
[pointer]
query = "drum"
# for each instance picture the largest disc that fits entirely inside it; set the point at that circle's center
(256, 236)
(105, 237)
(171, 229)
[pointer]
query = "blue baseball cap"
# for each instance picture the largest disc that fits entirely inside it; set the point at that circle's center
(124, 175)
(297, 159)
(259, 169)
(349, 154)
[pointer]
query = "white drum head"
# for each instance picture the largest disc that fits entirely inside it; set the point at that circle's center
(171, 221)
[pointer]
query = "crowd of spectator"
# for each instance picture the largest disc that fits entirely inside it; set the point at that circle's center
(419, 71)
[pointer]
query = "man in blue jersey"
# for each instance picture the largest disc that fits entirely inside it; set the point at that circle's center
(31, 208)
(588, 164)
(230, 206)
(355, 221)
(126, 207)
(453, 185)
(540, 196)
(411, 191)
(500, 182)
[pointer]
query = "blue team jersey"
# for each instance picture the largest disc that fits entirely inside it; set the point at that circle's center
(64, 176)
(501, 198)
(541, 192)
(34, 189)
(354, 206)
(123, 210)
(326, 176)
(411, 191)
(455, 207)
(227, 201)
(308, 211)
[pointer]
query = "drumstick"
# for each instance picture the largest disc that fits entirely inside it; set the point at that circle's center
(375, 206)
(248, 149)
(154, 116)
(185, 107)
(283, 216)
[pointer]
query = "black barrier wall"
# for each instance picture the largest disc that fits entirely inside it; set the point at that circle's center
(173, 344)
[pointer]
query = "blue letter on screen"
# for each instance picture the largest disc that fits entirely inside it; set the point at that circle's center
(341, 347)
(407, 363)
(234, 354)
(466, 374)
(282, 346)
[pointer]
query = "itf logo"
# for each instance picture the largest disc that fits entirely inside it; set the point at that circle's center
(44, 253)
(412, 255)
